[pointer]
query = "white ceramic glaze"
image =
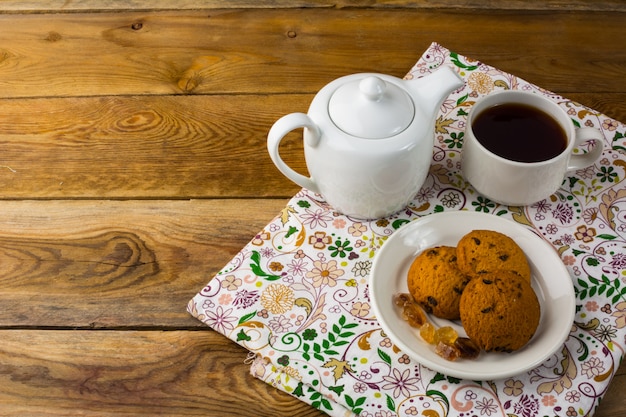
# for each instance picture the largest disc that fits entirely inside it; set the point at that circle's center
(524, 183)
(368, 140)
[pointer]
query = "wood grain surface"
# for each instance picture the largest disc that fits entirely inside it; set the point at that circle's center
(133, 167)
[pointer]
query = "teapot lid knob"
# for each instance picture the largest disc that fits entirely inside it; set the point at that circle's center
(371, 108)
(372, 87)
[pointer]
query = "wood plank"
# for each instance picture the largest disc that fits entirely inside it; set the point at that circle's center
(118, 5)
(294, 50)
(117, 264)
(174, 373)
(113, 373)
(160, 147)
(144, 147)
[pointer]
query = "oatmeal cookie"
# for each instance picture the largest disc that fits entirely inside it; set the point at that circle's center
(499, 311)
(436, 283)
(484, 251)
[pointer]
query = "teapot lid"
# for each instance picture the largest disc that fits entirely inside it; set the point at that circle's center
(371, 108)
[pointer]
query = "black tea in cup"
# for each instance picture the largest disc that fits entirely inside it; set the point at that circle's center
(519, 132)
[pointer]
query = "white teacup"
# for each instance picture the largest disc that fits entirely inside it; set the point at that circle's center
(496, 174)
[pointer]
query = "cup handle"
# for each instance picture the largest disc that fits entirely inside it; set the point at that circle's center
(584, 134)
(278, 131)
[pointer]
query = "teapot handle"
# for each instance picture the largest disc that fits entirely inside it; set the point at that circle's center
(278, 131)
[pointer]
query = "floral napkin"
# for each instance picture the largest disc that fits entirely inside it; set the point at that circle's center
(297, 295)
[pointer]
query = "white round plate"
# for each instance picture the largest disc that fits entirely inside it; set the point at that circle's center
(550, 280)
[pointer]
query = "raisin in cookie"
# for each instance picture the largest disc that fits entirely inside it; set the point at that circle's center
(499, 311)
(436, 283)
(484, 251)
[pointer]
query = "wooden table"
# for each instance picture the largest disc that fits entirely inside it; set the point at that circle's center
(133, 167)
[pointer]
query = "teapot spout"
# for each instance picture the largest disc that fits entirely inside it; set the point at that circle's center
(432, 90)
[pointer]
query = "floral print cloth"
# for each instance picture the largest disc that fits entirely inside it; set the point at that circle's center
(297, 295)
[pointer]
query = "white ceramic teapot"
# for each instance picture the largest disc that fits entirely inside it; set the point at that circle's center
(368, 140)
